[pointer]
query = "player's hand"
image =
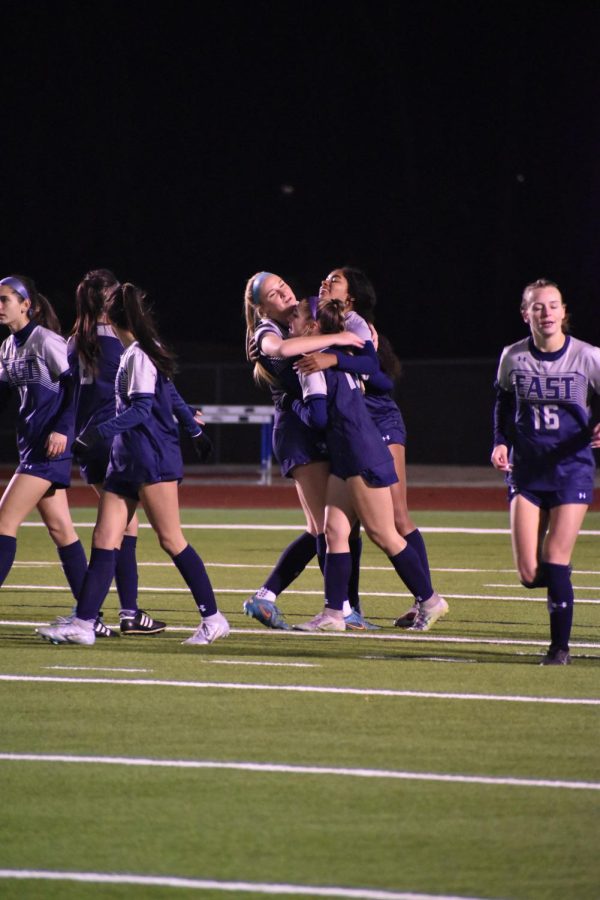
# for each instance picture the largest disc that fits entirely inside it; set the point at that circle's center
(595, 441)
(374, 335)
(499, 458)
(56, 444)
(84, 442)
(346, 339)
(315, 362)
(198, 417)
(253, 354)
(203, 446)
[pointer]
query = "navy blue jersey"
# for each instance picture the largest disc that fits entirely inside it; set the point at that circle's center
(380, 401)
(149, 452)
(281, 370)
(548, 395)
(95, 391)
(355, 445)
(34, 363)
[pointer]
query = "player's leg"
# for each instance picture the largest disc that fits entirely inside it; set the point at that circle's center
(114, 513)
(161, 505)
(338, 521)
(22, 494)
(564, 526)
(310, 479)
(405, 525)
(527, 526)
(374, 507)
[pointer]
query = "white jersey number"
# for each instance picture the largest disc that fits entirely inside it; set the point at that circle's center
(546, 418)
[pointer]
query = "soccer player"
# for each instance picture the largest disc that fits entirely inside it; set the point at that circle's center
(145, 467)
(94, 354)
(33, 362)
(362, 471)
(543, 441)
(352, 286)
(269, 303)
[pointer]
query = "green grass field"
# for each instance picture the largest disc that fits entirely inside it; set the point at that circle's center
(369, 766)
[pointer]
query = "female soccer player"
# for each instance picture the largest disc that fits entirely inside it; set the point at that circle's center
(94, 355)
(269, 303)
(145, 466)
(542, 413)
(352, 286)
(33, 361)
(362, 471)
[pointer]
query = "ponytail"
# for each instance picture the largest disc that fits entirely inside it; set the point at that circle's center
(127, 309)
(41, 311)
(92, 295)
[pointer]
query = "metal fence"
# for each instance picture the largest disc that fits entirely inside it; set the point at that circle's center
(447, 406)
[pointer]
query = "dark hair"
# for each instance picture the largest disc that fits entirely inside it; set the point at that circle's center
(362, 292)
(93, 292)
(127, 309)
(332, 316)
(41, 310)
(389, 362)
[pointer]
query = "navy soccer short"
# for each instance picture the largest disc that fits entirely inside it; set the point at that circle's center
(551, 499)
(294, 444)
(57, 472)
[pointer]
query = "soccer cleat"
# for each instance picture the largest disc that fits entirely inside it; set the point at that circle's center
(408, 618)
(102, 630)
(556, 657)
(208, 632)
(323, 622)
(265, 612)
(74, 631)
(141, 623)
(425, 618)
(356, 622)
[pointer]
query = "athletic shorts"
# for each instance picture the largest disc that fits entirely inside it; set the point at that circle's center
(382, 475)
(57, 472)
(125, 488)
(93, 469)
(391, 428)
(295, 444)
(551, 499)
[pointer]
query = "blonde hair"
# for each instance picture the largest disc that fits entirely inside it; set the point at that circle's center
(253, 314)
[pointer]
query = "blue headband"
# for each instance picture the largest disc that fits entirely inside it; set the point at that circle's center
(256, 286)
(17, 286)
(313, 305)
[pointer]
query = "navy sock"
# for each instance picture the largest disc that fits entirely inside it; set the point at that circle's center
(8, 551)
(126, 573)
(292, 562)
(74, 564)
(321, 551)
(415, 540)
(408, 566)
(355, 544)
(337, 574)
(194, 574)
(100, 574)
(560, 604)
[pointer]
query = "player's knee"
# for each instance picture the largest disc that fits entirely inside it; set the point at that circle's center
(530, 577)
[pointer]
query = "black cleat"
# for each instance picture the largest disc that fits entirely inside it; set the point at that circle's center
(141, 623)
(556, 657)
(102, 630)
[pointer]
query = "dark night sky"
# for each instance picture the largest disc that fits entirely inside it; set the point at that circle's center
(452, 150)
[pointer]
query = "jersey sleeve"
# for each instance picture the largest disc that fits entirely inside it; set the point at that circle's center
(55, 354)
(141, 374)
(357, 325)
(313, 385)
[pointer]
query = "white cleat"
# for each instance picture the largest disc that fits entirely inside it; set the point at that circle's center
(323, 622)
(209, 630)
(72, 631)
(428, 616)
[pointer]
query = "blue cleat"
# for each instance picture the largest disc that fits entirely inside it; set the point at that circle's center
(356, 622)
(265, 612)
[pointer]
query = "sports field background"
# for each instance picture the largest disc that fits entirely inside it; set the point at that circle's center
(448, 764)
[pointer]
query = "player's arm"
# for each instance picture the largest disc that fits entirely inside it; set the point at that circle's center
(504, 414)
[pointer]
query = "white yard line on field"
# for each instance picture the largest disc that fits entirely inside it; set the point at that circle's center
(304, 689)
(203, 884)
(287, 769)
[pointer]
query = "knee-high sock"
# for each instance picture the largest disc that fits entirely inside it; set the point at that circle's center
(337, 574)
(8, 551)
(415, 540)
(126, 573)
(321, 551)
(408, 566)
(99, 576)
(560, 604)
(74, 564)
(355, 544)
(291, 563)
(194, 574)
